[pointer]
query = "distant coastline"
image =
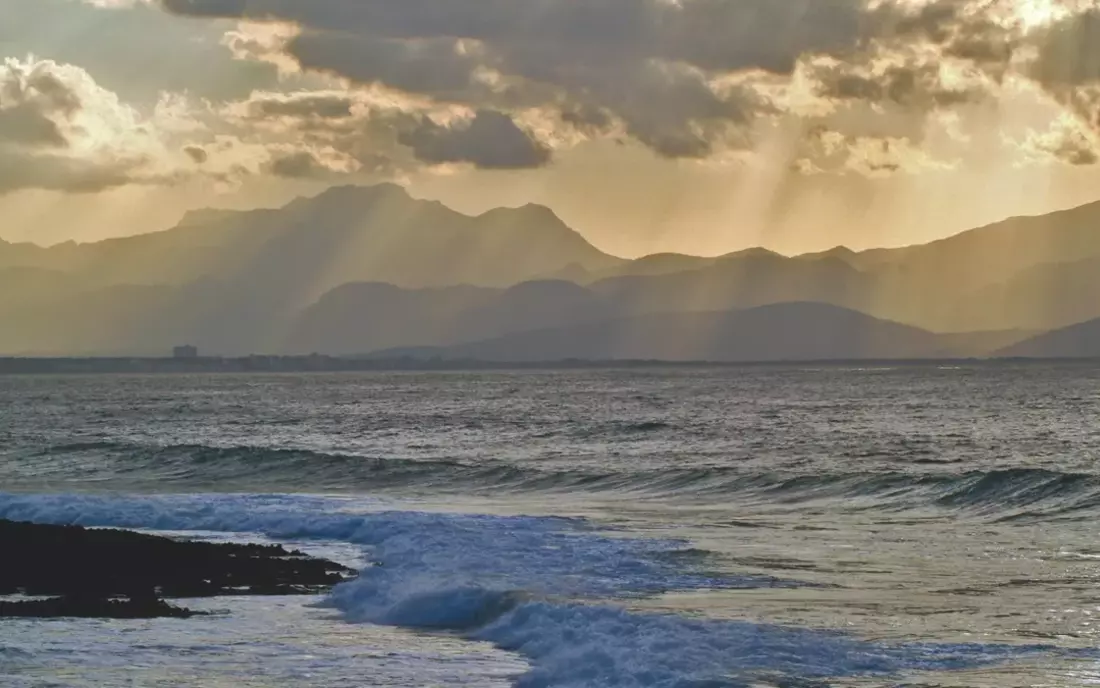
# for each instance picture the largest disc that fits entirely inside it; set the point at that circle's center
(333, 364)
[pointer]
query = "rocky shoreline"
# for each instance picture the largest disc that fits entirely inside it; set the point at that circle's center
(71, 571)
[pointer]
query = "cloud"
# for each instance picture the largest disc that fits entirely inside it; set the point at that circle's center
(332, 110)
(711, 34)
(648, 63)
(300, 164)
(1067, 64)
(687, 78)
(907, 83)
(309, 105)
(1066, 141)
(36, 103)
(60, 130)
(62, 173)
(117, 4)
(197, 153)
(303, 163)
(825, 151)
(1068, 52)
(490, 140)
(25, 124)
(333, 131)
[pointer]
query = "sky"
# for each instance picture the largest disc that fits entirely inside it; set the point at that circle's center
(693, 126)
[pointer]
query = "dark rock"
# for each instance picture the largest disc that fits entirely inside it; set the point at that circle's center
(75, 606)
(85, 572)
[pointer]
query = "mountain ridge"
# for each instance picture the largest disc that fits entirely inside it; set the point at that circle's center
(781, 332)
(197, 216)
(1080, 340)
(298, 278)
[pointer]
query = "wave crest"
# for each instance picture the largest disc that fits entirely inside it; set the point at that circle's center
(1010, 494)
(541, 587)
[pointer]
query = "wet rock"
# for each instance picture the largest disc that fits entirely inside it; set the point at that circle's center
(75, 606)
(124, 574)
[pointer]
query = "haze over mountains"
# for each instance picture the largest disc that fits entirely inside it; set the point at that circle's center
(357, 270)
(781, 332)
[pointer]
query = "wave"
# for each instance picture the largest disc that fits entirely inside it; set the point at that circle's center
(545, 588)
(1005, 494)
(574, 645)
(12, 654)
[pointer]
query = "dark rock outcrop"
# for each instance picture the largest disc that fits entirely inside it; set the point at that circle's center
(76, 606)
(88, 572)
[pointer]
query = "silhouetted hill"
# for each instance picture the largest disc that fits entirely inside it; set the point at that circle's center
(365, 316)
(663, 264)
(784, 332)
(238, 281)
(987, 253)
(1039, 297)
(1076, 341)
(361, 268)
(842, 253)
(22, 255)
(344, 234)
(982, 343)
(1030, 273)
(945, 283)
(739, 281)
(358, 318)
(22, 286)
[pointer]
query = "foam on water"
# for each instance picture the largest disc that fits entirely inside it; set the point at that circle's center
(418, 550)
(258, 642)
(550, 589)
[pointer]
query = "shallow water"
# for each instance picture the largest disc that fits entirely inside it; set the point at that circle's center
(760, 526)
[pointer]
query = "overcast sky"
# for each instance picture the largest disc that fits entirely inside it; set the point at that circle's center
(699, 126)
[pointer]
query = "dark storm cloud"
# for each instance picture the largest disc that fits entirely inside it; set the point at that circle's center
(650, 68)
(432, 66)
(491, 140)
(647, 63)
(722, 35)
(586, 117)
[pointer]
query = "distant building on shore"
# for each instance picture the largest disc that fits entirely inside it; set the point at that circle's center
(185, 351)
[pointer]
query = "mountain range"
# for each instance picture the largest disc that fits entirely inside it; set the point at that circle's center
(361, 270)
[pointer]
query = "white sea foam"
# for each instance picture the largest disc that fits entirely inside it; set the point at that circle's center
(546, 588)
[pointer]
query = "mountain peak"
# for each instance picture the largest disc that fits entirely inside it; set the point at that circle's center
(529, 212)
(756, 252)
(840, 253)
(836, 251)
(354, 193)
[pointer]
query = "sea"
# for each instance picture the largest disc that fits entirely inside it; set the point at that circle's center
(813, 526)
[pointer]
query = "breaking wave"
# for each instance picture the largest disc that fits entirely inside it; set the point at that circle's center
(549, 589)
(1007, 494)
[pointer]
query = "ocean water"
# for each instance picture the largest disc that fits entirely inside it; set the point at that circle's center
(783, 527)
